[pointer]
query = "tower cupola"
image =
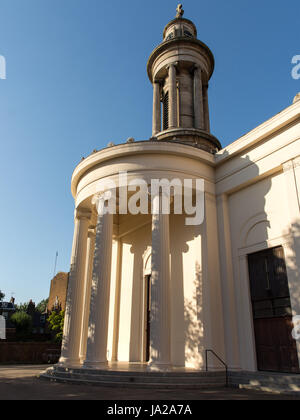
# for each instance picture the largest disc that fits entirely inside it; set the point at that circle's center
(179, 70)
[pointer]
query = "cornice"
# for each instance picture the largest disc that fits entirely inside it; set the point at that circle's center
(138, 148)
(179, 40)
(262, 132)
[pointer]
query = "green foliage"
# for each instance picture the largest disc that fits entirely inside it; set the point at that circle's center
(2, 296)
(42, 306)
(56, 324)
(22, 307)
(22, 323)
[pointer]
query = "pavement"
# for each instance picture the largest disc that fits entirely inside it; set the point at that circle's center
(22, 383)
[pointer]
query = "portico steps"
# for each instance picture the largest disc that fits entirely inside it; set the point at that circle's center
(266, 381)
(140, 379)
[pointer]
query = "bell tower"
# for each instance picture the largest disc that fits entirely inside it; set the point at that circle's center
(179, 70)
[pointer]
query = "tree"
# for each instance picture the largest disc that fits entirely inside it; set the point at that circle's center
(56, 324)
(22, 307)
(42, 306)
(2, 296)
(23, 323)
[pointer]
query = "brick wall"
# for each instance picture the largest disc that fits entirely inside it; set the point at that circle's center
(59, 286)
(31, 353)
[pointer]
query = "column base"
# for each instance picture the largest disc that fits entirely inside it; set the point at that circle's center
(95, 365)
(159, 367)
(67, 362)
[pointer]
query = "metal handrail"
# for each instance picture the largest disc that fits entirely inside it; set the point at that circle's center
(220, 360)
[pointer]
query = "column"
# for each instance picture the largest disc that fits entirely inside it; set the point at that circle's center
(206, 108)
(156, 125)
(117, 302)
(87, 291)
(74, 306)
(160, 340)
(227, 284)
(198, 99)
(172, 96)
(96, 355)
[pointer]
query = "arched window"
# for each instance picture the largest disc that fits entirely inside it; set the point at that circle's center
(170, 36)
(187, 33)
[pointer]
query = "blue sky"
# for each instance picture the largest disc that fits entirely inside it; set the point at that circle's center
(76, 80)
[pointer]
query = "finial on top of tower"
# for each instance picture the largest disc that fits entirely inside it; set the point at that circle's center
(179, 11)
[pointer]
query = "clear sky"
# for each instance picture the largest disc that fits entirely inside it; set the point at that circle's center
(76, 80)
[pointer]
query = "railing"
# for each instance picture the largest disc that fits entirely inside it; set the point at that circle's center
(220, 360)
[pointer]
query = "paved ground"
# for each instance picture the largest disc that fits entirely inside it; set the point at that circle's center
(21, 383)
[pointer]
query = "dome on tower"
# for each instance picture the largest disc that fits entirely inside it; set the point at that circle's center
(180, 69)
(179, 27)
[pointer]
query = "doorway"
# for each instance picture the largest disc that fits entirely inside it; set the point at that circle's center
(275, 347)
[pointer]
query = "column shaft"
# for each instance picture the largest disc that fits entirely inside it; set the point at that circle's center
(198, 99)
(156, 125)
(160, 352)
(74, 306)
(172, 97)
(99, 307)
(206, 108)
(117, 302)
(87, 292)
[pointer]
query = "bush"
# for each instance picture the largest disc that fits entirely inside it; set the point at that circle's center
(56, 324)
(23, 324)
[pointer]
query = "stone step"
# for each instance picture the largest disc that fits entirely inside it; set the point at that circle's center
(198, 374)
(126, 379)
(265, 381)
(133, 384)
(141, 380)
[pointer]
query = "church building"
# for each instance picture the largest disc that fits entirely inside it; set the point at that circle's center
(152, 293)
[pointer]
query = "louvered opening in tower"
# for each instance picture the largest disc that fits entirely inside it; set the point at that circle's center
(166, 111)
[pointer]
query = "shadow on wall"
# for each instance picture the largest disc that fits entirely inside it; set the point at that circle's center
(188, 329)
(193, 320)
(292, 258)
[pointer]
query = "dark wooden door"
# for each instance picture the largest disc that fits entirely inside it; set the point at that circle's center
(148, 308)
(276, 349)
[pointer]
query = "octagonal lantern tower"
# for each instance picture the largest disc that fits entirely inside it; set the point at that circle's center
(179, 69)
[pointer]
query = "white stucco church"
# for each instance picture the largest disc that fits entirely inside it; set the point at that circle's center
(148, 292)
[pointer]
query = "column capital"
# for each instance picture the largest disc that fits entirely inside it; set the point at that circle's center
(92, 232)
(287, 166)
(175, 64)
(197, 69)
(82, 214)
(291, 164)
(97, 196)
